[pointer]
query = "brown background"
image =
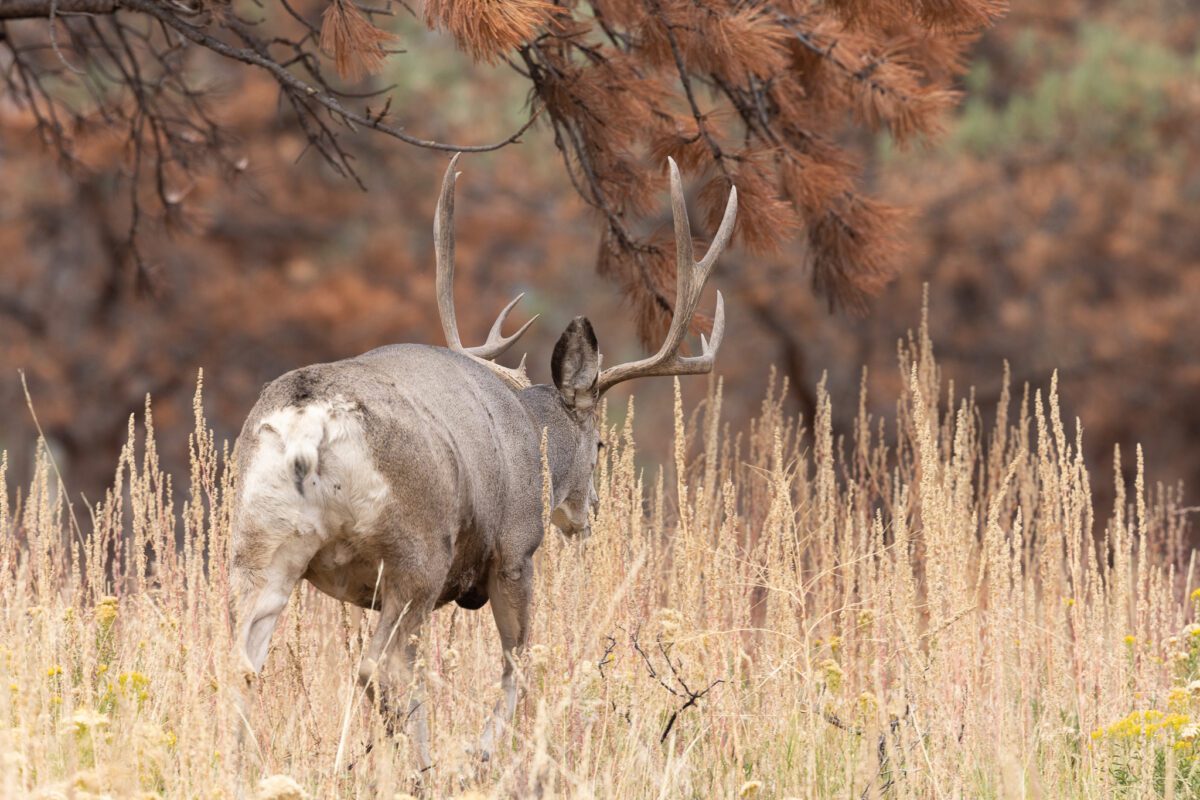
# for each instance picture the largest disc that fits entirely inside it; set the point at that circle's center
(1057, 225)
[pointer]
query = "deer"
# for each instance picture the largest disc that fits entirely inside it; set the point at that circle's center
(411, 476)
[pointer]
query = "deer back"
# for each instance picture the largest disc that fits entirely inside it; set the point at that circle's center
(406, 451)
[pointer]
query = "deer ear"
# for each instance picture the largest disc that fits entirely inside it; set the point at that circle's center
(575, 364)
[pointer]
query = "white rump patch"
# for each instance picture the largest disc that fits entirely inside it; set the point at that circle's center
(313, 474)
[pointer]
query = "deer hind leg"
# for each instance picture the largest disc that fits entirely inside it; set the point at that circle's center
(510, 591)
(261, 595)
(389, 665)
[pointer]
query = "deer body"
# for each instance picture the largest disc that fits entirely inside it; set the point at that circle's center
(412, 476)
(418, 455)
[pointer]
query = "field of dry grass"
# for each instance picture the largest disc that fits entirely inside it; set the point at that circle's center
(916, 611)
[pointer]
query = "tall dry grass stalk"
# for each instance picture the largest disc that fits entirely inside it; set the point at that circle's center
(917, 611)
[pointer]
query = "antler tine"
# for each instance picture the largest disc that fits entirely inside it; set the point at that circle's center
(443, 248)
(684, 263)
(443, 245)
(690, 279)
(497, 344)
(709, 347)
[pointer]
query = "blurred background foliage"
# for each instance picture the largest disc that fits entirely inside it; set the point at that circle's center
(1056, 226)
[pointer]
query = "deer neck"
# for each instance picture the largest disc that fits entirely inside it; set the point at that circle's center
(563, 429)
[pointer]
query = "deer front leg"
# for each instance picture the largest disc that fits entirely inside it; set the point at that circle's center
(510, 591)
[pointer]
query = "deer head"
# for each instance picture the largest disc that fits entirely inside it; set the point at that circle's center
(575, 363)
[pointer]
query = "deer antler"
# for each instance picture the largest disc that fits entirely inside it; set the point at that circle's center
(443, 243)
(690, 276)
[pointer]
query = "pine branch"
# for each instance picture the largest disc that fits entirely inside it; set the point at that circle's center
(617, 80)
(686, 82)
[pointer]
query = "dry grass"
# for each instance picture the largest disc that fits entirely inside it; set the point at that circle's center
(914, 612)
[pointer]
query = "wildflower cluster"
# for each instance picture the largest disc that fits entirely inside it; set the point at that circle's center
(832, 674)
(128, 687)
(106, 613)
(1183, 652)
(1141, 739)
(1150, 724)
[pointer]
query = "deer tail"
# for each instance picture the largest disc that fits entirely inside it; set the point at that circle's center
(302, 451)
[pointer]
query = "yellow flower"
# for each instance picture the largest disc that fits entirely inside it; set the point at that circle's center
(1174, 721)
(833, 674)
(106, 612)
(135, 680)
(1139, 724)
(1070, 601)
(1130, 640)
(54, 671)
(835, 643)
(1196, 595)
(750, 789)
(134, 684)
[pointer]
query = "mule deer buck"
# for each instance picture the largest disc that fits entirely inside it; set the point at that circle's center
(411, 476)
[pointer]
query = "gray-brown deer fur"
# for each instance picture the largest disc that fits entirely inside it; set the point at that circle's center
(411, 476)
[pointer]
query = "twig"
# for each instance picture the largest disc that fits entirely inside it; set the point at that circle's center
(54, 40)
(689, 696)
(610, 644)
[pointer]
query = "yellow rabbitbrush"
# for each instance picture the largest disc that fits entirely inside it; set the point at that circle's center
(919, 610)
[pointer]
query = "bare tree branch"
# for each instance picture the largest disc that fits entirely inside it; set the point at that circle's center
(289, 81)
(32, 9)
